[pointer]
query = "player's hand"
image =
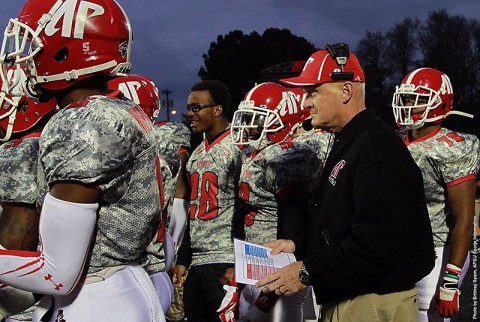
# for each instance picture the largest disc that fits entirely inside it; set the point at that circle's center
(281, 245)
(447, 296)
(285, 280)
(229, 303)
(228, 277)
(179, 275)
(447, 301)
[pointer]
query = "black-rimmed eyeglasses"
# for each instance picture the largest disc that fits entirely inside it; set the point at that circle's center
(196, 107)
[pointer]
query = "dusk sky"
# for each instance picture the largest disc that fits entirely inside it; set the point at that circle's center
(171, 36)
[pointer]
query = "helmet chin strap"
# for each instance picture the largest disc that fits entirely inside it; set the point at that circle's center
(437, 118)
(9, 129)
(33, 94)
(461, 114)
(12, 113)
(74, 74)
(433, 119)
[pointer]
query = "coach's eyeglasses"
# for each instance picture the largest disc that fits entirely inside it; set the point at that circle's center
(196, 107)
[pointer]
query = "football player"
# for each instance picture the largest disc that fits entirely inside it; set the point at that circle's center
(449, 161)
(179, 135)
(97, 156)
(274, 183)
(176, 223)
(21, 122)
(215, 216)
(173, 144)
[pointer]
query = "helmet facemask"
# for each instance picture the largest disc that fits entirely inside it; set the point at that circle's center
(19, 47)
(12, 90)
(9, 105)
(251, 125)
(408, 98)
(269, 111)
(18, 113)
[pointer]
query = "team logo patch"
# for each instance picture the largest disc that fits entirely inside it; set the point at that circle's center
(123, 48)
(333, 175)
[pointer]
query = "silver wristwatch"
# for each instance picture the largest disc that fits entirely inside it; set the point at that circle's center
(304, 276)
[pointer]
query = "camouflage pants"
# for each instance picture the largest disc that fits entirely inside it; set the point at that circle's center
(176, 311)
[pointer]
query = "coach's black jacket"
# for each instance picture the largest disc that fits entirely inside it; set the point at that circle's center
(368, 230)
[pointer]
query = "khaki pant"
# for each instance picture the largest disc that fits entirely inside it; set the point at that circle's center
(399, 306)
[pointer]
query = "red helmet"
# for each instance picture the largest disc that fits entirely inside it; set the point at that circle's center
(304, 112)
(18, 113)
(65, 41)
(267, 114)
(140, 89)
(426, 89)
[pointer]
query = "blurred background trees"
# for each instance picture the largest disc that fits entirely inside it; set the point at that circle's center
(446, 42)
(238, 59)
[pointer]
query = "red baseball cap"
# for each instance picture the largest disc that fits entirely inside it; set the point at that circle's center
(319, 69)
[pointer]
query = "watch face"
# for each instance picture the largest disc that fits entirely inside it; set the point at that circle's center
(304, 276)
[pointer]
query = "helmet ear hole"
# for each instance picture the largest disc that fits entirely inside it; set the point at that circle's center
(61, 55)
(23, 106)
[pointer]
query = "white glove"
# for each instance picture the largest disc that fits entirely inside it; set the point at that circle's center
(178, 220)
(14, 300)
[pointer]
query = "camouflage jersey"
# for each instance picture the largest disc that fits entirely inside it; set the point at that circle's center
(18, 170)
(446, 158)
(213, 171)
(270, 172)
(18, 181)
(173, 139)
(321, 141)
(174, 132)
(107, 143)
